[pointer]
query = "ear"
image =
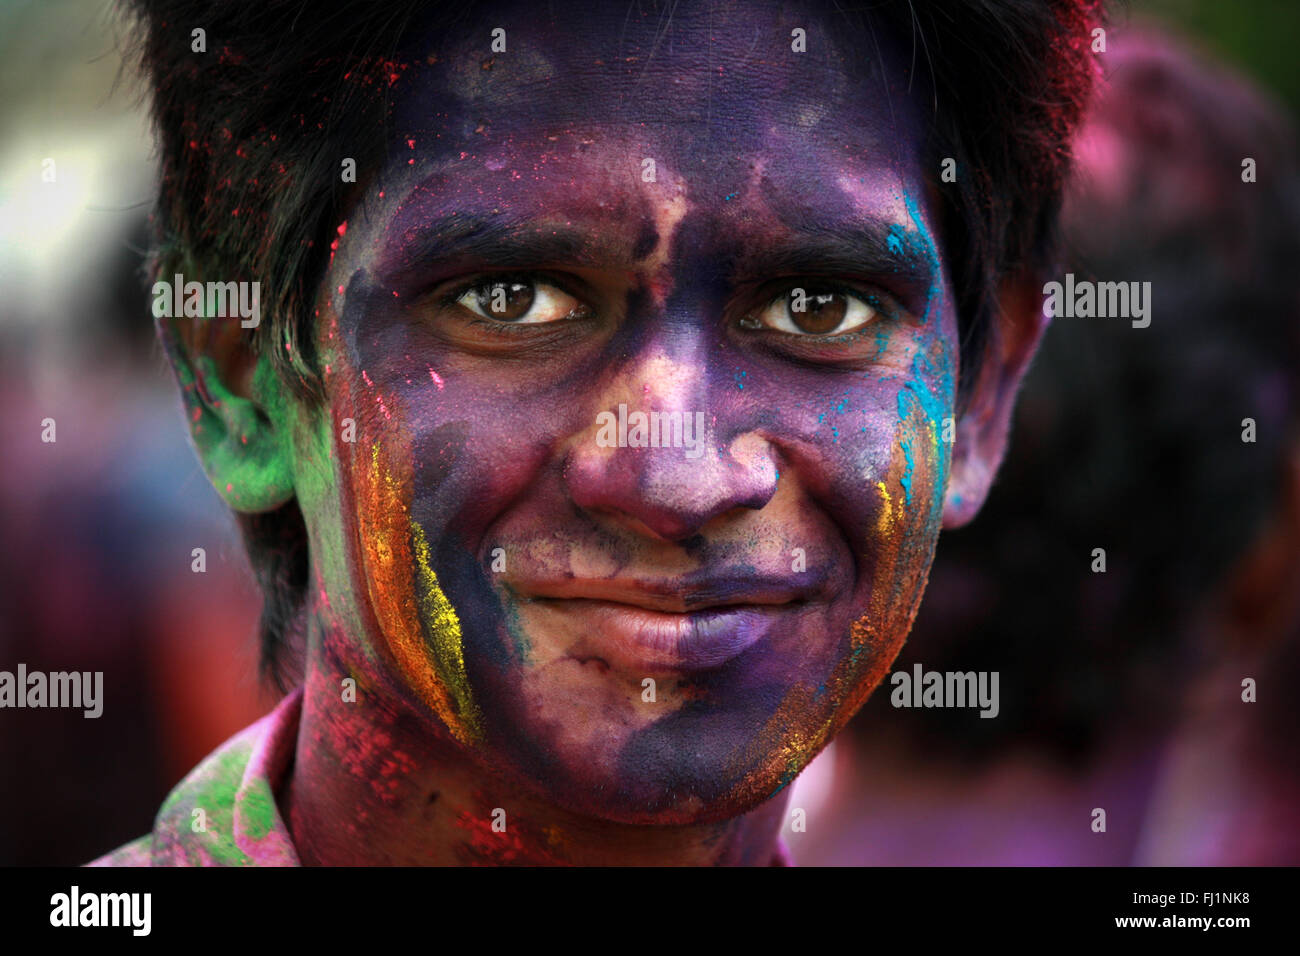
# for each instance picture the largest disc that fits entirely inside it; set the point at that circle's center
(226, 389)
(981, 438)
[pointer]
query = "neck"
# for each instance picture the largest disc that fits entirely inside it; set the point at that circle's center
(370, 785)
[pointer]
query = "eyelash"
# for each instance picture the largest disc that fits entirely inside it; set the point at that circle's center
(452, 298)
(880, 302)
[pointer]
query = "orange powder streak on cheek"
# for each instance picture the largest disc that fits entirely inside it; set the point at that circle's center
(386, 532)
(417, 624)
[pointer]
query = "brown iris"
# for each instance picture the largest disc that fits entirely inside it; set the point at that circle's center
(507, 301)
(821, 312)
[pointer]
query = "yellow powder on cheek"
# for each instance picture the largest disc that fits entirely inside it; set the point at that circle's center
(444, 632)
(397, 555)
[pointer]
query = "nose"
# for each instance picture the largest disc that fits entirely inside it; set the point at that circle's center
(667, 452)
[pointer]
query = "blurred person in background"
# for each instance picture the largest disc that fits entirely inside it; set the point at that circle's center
(1123, 690)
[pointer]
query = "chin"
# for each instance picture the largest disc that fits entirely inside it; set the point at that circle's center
(703, 763)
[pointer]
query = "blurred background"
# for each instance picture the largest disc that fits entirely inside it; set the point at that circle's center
(1119, 691)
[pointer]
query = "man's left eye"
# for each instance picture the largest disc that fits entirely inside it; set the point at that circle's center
(519, 301)
(813, 311)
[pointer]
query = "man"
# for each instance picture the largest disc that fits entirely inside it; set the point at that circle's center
(597, 432)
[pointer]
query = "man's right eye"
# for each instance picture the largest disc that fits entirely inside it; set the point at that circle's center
(520, 301)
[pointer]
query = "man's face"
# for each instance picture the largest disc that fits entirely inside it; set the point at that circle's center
(680, 216)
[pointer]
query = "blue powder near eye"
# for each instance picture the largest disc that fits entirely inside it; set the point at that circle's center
(740, 380)
(882, 340)
(934, 403)
(931, 255)
(895, 240)
(905, 397)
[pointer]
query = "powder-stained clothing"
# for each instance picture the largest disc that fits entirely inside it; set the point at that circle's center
(234, 788)
(224, 812)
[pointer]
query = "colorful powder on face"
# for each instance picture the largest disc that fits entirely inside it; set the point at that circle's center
(906, 478)
(870, 629)
(903, 563)
(901, 567)
(393, 565)
(443, 625)
(895, 241)
(885, 523)
(797, 749)
(780, 746)
(874, 639)
(926, 401)
(931, 255)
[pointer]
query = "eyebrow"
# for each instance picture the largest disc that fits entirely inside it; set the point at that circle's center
(875, 247)
(497, 240)
(881, 248)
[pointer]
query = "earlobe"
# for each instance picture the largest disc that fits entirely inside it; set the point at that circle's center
(982, 430)
(243, 452)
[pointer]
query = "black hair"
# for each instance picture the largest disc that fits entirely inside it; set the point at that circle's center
(251, 136)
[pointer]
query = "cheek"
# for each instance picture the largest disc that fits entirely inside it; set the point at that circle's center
(888, 474)
(457, 449)
(437, 456)
(869, 447)
(907, 519)
(415, 627)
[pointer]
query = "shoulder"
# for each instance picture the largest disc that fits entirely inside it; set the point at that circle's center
(196, 823)
(223, 812)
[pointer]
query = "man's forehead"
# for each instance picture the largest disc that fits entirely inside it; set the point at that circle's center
(597, 146)
(589, 200)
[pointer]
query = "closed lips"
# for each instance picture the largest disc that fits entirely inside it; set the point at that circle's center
(668, 597)
(640, 628)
